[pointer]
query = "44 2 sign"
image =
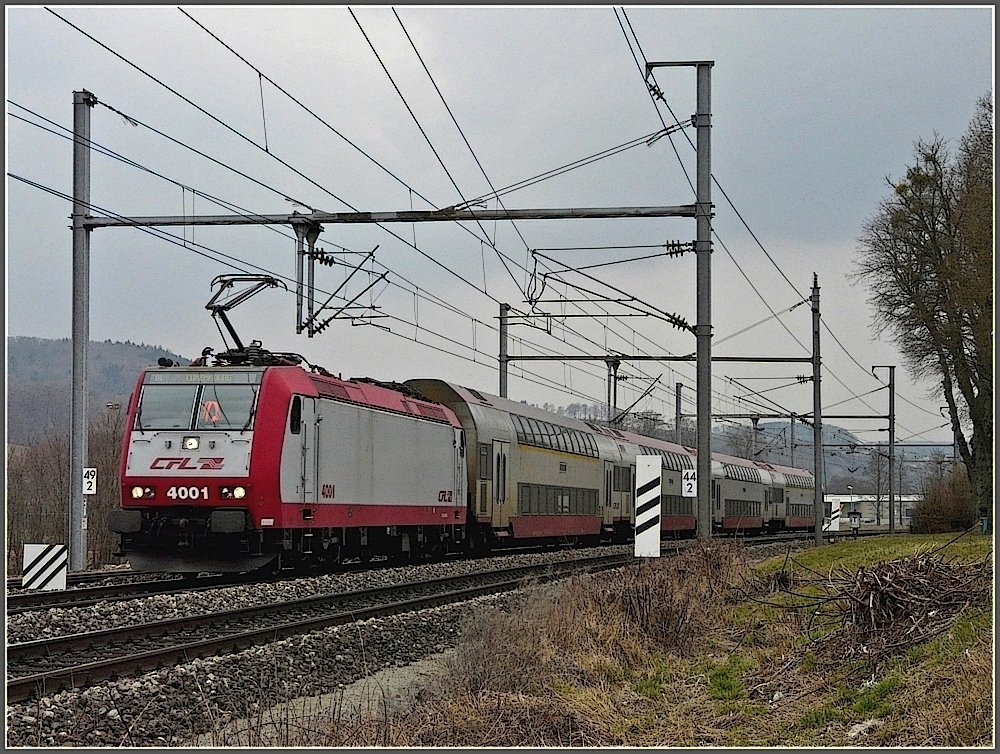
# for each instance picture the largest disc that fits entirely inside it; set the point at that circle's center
(689, 483)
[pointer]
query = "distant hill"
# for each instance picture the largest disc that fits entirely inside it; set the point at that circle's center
(40, 374)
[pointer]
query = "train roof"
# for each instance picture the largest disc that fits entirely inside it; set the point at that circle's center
(783, 469)
(478, 398)
(393, 397)
(733, 460)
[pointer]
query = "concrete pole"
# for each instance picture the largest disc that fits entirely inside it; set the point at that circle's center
(791, 442)
(703, 330)
(311, 235)
(892, 446)
(504, 313)
(300, 256)
(817, 419)
(611, 379)
(677, 414)
(83, 101)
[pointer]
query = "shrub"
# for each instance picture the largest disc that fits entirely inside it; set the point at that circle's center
(947, 506)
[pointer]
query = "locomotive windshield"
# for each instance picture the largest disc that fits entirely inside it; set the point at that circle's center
(198, 407)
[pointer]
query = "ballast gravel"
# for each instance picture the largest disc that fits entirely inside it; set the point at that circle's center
(173, 706)
(117, 614)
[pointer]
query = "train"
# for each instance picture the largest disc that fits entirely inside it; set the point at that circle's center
(258, 462)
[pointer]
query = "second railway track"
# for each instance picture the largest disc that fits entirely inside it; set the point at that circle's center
(83, 596)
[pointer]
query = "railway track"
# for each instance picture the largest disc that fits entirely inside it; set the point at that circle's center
(74, 579)
(83, 596)
(24, 602)
(48, 665)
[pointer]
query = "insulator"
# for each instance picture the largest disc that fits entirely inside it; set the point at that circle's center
(321, 256)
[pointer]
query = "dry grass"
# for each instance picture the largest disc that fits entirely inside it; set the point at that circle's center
(689, 651)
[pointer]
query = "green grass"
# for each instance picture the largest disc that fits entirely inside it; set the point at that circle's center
(725, 682)
(818, 717)
(852, 554)
(968, 630)
(657, 679)
(874, 701)
(719, 690)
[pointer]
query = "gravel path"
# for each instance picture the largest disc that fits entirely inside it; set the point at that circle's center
(388, 691)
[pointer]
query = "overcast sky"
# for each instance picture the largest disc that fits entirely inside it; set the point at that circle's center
(812, 109)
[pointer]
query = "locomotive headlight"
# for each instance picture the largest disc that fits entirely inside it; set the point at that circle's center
(191, 443)
(137, 492)
(239, 492)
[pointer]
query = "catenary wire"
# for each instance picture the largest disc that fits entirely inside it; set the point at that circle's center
(253, 142)
(771, 259)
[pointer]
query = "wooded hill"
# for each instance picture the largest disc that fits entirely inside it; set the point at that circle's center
(39, 381)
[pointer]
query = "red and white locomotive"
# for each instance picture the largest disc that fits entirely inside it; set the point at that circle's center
(258, 462)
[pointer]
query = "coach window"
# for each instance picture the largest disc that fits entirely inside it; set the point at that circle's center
(484, 461)
(295, 424)
(519, 429)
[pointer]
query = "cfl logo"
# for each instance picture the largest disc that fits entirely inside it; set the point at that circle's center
(185, 464)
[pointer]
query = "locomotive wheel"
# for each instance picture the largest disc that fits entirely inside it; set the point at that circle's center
(271, 569)
(399, 558)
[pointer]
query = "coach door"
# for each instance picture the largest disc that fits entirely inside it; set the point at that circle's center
(500, 477)
(609, 478)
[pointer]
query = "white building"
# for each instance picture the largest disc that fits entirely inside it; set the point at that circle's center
(836, 508)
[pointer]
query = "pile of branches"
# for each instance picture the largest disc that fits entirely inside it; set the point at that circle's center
(881, 610)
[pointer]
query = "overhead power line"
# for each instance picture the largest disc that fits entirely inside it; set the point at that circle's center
(428, 140)
(601, 155)
(761, 245)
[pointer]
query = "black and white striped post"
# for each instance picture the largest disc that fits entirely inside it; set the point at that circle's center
(648, 475)
(45, 567)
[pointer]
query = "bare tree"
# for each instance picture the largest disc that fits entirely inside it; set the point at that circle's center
(935, 470)
(38, 491)
(740, 440)
(927, 259)
(876, 472)
(648, 423)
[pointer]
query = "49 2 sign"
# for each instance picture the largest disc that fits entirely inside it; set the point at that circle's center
(89, 481)
(689, 483)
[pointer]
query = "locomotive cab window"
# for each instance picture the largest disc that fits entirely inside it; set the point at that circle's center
(201, 407)
(295, 420)
(166, 407)
(226, 407)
